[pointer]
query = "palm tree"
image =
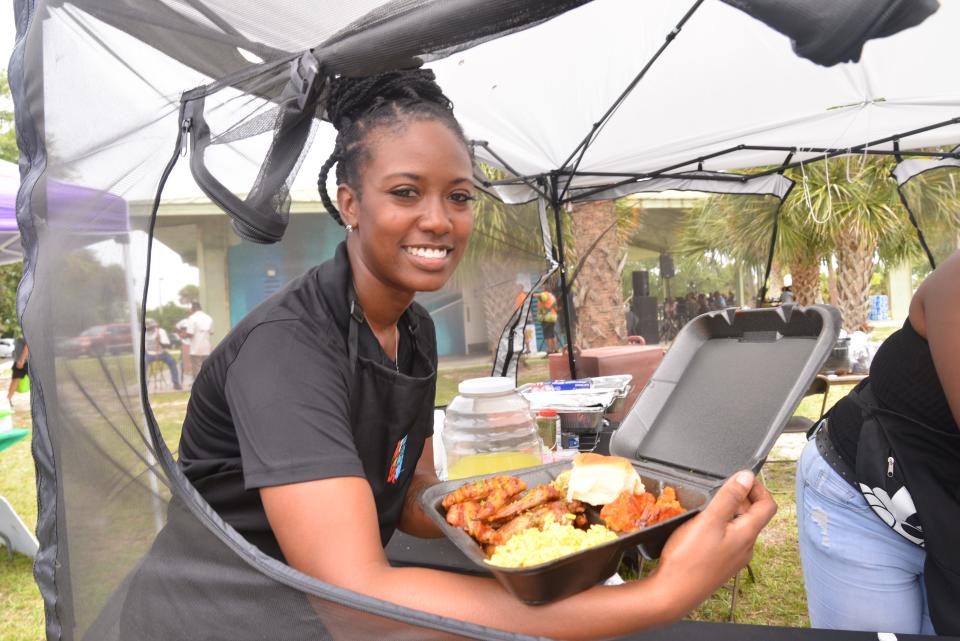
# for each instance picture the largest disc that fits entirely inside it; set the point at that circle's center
(599, 255)
(740, 227)
(846, 209)
(507, 242)
(927, 194)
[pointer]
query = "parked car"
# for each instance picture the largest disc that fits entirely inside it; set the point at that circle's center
(99, 340)
(7, 347)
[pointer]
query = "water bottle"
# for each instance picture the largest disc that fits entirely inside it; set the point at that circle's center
(489, 428)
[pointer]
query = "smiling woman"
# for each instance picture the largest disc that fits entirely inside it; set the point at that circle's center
(309, 426)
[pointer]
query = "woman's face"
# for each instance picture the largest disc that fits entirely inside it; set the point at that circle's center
(414, 214)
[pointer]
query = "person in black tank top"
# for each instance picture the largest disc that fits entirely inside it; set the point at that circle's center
(888, 562)
(903, 376)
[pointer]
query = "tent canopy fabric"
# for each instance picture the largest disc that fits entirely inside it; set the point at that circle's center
(725, 80)
(97, 86)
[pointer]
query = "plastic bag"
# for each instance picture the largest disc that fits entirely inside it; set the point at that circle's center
(861, 352)
(23, 384)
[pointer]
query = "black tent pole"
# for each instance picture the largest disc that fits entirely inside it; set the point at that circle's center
(564, 293)
(597, 126)
(773, 248)
(916, 226)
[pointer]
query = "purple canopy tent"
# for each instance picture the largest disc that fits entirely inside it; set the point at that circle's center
(73, 208)
(10, 248)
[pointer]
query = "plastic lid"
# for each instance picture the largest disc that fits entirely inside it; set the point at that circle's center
(547, 411)
(488, 385)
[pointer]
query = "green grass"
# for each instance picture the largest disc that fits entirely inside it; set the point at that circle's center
(879, 334)
(776, 598)
(531, 370)
(21, 608)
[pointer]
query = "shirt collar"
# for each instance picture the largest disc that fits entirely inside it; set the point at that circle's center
(334, 280)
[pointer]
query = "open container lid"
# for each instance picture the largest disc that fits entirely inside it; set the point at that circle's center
(726, 389)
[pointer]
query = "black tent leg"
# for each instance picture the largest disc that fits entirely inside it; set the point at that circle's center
(773, 248)
(564, 292)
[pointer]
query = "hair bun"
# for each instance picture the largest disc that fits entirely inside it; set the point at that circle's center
(351, 98)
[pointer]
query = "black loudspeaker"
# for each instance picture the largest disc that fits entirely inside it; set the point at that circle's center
(666, 266)
(641, 284)
(645, 307)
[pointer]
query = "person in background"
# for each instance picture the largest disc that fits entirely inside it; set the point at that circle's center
(691, 307)
(547, 315)
(186, 368)
(703, 305)
(199, 327)
(529, 334)
(670, 308)
(878, 485)
(520, 296)
(21, 353)
(155, 345)
(719, 302)
(786, 295)
(731, 299)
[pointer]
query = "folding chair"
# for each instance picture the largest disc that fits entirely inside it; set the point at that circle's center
(14, 534)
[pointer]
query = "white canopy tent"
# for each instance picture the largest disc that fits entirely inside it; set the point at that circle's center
(725, 80)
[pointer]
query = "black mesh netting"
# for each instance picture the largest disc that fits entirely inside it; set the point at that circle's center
(931, 199)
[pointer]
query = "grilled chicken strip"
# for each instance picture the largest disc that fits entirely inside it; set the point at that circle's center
(483, 488)
(498, 499)
(464, 516)
(459, 514)
(537, 496)
(556, 510)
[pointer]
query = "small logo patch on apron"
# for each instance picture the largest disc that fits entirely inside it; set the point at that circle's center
(396, 464)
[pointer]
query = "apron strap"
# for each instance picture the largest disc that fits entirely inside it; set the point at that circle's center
(357, 318)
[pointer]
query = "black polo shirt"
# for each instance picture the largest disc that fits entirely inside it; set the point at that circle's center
(271, 405)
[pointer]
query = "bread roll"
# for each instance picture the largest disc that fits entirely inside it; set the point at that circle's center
(598, 479)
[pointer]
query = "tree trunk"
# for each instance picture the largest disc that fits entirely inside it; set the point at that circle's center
(854, 268)
(805, 272)
(498, 299)
(600, 318)
(831, 281)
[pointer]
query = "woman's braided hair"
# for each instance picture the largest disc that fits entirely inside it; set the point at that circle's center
(356, 106)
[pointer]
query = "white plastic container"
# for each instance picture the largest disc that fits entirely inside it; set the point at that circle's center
(489, 428)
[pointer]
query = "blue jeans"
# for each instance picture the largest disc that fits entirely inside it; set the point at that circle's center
(172, 364)
(859, 573)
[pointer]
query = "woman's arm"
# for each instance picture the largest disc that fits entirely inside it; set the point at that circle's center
(935, 315)
(328, 529)
(412, 519)
(24, 356)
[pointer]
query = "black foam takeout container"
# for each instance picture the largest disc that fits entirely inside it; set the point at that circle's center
(715, 405)
(568, 575)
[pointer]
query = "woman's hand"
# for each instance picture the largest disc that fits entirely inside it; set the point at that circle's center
(710, 548)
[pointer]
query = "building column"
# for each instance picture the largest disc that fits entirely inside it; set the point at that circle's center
(900, 289)
(212, 243)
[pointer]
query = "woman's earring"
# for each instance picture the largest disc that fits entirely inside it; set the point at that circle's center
(349, 228)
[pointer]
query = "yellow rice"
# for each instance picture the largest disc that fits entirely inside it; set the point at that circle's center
(534, 546)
